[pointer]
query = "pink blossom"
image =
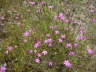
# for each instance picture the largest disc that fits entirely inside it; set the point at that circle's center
(3, 69)
(57, 32)
(66, 20)
(42, 2)
(48, 35)
(37, 44)
(61, 16)
(2, 18)
(50, 45)
(44, 52)
(67, 63)
(10, 48)
(63, 36)
(48, 41)
(81, 38)
(37, 60)
(82, 31)
(30, 30)
(75, 45)
(60, 40)
(71, 53)
(53, 27)
(68, 45)
(50, 63)
(39, 54)
(50, 6)
(25, 34)
(90, 51)
(30, 51)
(94, 20)
(32, 3)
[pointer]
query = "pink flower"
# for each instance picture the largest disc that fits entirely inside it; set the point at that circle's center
(71, 53)
(61, 16)
(37, 60)
(81, 38)
(67, 64)
(29, 51)
(2, 18)
(37, 44)
(60, 40)
(50, 63)
(90, 51)
(10, 48)
(50, 45)
(3, 69)
(44, 52)
(50, 6)
(63, 36)
(25, 34)
(48, 41)
(82, 31)
(66, 20)
(68, 45)
(42, 2)
(48, 35)
(30, 30)
(94, 20)
(57, 32)
(75, 45)
(39, 54)
(32, 3)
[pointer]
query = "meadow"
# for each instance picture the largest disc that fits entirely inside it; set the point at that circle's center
(47, 36)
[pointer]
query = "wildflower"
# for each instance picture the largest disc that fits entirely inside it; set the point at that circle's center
(10, 48)
(30, 51)
(63, 36)
(61, 16)
(94, 20)
(50, 63)
(60, 40)
(32, 3)
(82, 31)
(66, 20)
(2, 17)
(39, 54)
(37, 44)
(48, 41)
(3, 69)
(81, 38)
(25, 34)
(37, 60)
(67, 63)
(44, 52)
(50, 45)
(71, 53)
(75, 45)
(42, 2)
(68, 45)
(30, 30)
(48, 35)
(57, 32)
(90, 51)
(53, 27)
(50, 6)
